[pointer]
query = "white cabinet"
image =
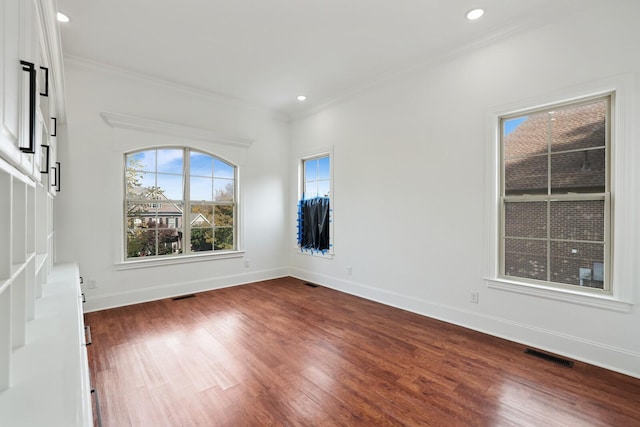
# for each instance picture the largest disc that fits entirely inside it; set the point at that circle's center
(19, 42)
(31, 88)
(17, 264)
(11, 77)
(50, 373)
(44, 376)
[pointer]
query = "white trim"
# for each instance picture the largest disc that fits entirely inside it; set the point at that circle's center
(536, 18)
(186, 203)
(137, 296)
(177, 259)
(602, 355)
(311, 154)
(326, 255)
(125, 121)
(624, 175)
(93, 66)
(316, 152)
(561, 294)
(15, 173)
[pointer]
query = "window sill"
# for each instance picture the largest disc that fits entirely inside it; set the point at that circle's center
(184, 259)
(328, 255)
(606, 302)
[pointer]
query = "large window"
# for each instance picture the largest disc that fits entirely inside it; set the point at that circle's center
(179, 201)
(555, 218)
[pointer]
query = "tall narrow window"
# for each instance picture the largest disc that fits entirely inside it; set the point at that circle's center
(555, 211)
(314, 209)
(179, 201)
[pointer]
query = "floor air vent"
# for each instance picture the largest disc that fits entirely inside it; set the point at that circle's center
(183, 297)
(549, 357)
(311, 285)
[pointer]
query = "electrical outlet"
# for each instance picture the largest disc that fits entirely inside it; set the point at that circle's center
(93, 284)
(475, 297)
(349, 270)
(247, 263)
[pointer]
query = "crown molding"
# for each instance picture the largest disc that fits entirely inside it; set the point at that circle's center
(537, 18)
(87, 64)
(125, 121)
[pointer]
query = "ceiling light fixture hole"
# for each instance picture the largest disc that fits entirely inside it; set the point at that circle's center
(474, 14)
(62, 17)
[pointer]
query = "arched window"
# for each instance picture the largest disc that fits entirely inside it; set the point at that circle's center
(179, 201)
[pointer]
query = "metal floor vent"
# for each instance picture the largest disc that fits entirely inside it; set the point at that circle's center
(183, 297)
(311, 285)
(549, 357)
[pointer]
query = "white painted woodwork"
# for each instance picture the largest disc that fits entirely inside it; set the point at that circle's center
(6, 193)
(50, 374)
(5, 337)
(10, 78)
(44, 376)
(19, 225)
(268, 53)
(19, 309)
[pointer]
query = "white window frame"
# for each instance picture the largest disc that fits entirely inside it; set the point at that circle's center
(623, 201)
(186, 207)
(316, 154)
(303, 165)
(551, 197)
(133, 133)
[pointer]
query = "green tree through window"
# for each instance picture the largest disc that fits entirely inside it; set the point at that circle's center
(179, 201)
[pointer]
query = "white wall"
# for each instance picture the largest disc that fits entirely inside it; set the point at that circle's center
(410, 181)
(89, 208)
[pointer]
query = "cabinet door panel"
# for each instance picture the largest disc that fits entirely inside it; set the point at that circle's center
(10, 78)
(18, 42)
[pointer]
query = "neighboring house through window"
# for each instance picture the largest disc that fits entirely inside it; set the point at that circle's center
(179, 201)
(555, 217)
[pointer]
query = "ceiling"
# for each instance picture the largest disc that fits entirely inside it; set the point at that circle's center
(266, 52)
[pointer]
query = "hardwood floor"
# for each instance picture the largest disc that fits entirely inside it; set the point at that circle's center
(282, 353)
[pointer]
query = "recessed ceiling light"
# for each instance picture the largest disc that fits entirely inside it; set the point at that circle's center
(62, 17)
(301, 97)
(474, 14)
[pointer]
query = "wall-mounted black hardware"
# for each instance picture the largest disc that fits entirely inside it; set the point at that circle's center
(84, 299)
(58, 176)
(46, 81)
(81, 280)
(54, 176)
(55, 126)
(30, 68)
(45, 167)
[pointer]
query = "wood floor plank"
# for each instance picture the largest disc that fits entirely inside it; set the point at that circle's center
(281, 353)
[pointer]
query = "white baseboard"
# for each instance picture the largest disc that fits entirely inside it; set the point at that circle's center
(594, 353)
(119, 299)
